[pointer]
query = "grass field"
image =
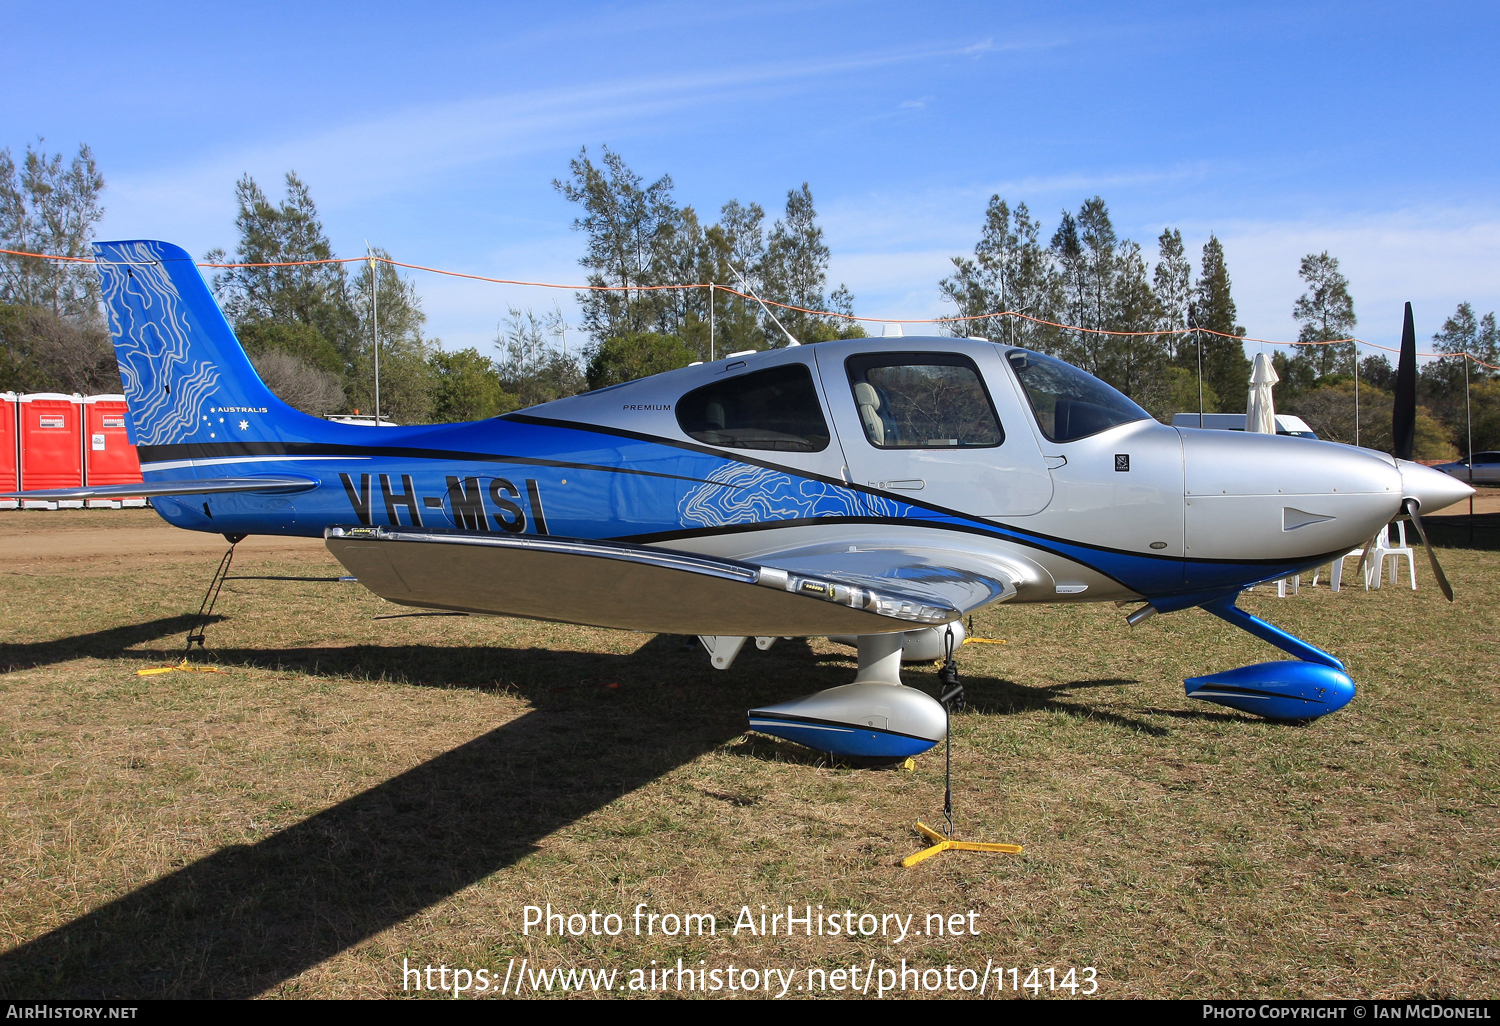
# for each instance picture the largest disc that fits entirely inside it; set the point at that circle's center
(354, 790)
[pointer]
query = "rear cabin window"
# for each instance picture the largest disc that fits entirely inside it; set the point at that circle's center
(922, 401)
(776, 409)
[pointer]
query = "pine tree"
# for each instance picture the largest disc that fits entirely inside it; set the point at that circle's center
(1225, 367)
(638, 238)
(1066, 251)
(46, 207)
(1097, 239)
(1173, 285)
(1477, 336)
(735, 246)
(1326, 313)
(1441, 383)
(315, 295)
(1132, 361)
(626, 223)
(678, 259)
(1084, 248)
(795, 272)
(1010, 271)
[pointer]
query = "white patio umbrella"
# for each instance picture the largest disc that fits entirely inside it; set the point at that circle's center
(1260, 411)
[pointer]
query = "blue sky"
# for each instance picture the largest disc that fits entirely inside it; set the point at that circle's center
(435, 131)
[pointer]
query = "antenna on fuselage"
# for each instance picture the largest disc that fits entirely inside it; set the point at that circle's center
(791, 340)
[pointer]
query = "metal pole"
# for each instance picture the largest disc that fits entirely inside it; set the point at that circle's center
(710, 322)
(375, 323)
(1469, 416)
(1199, 338)
(1356, 395)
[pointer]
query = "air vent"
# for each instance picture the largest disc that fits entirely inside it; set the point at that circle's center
(1291, 519)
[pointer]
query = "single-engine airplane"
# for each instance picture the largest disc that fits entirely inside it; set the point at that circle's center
(875, 490)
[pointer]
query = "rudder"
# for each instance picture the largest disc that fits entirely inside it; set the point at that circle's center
(186, 377)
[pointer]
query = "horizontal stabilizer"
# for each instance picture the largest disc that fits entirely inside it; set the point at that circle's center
(266, 483)
(610, 584)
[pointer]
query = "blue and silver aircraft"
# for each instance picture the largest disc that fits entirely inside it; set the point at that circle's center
(870, 490)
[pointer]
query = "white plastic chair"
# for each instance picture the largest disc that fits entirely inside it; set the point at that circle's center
(1336, 570)
(1387, 556)
(1296, 583)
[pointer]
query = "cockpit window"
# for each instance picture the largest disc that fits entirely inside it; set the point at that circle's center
(771, 409)
(1068, 403)
(922, 401)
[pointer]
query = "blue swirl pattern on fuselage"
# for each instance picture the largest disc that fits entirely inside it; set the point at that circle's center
(739, 493)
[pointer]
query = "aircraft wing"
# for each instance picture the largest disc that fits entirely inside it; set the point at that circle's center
(267, 483)
(956, 578)
(637, 587)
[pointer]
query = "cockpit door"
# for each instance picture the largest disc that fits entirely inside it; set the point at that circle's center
(934, 422)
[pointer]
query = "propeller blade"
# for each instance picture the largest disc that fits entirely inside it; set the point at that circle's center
(1364, 557)
(1404, 413)
(1437, 571)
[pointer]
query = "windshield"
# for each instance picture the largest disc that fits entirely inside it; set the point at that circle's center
(1068, 403)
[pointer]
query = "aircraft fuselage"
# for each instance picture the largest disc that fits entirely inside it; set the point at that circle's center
(1137, 509)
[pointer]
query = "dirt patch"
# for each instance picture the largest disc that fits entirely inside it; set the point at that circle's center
(81, 536)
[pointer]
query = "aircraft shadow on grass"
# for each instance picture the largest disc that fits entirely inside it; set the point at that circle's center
(249, 917)
(110, 643)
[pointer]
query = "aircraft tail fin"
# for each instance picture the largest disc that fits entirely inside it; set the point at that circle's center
(186, 377)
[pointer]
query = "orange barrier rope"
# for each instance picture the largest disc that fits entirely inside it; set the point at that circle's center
(788, 306)
(49, 256)
(546, 284)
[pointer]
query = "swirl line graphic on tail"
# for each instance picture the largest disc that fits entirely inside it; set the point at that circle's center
(165, 386)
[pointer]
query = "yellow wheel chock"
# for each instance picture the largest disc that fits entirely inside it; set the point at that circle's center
(946, 843)
(184, 665)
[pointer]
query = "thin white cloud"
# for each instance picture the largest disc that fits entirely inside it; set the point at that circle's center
(359, 161)
(1435, 259)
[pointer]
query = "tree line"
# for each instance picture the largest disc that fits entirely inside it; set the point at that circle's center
(310, 329)
(1089, 277)
(1172, 322)
(52, 334)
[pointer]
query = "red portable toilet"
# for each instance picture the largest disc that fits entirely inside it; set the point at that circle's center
(51, 445)
(108, 456)
(10, 450)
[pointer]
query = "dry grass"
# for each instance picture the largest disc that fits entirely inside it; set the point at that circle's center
(354, 791)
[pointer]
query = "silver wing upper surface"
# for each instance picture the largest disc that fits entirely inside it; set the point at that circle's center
(811, 590)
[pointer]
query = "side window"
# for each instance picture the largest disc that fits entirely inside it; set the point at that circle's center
(922, 401)
(774, 409)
